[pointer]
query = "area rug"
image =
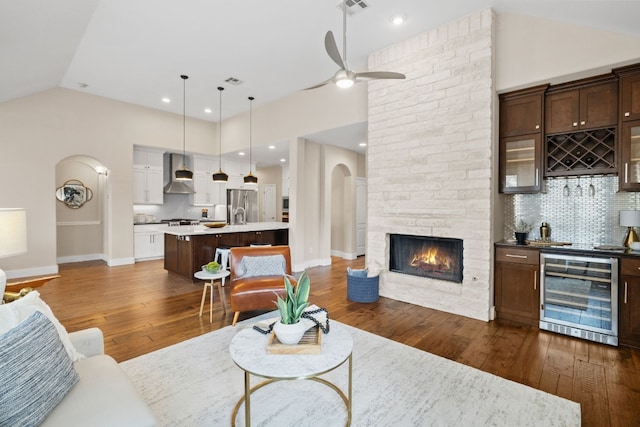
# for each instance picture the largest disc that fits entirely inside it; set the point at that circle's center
(195, 383)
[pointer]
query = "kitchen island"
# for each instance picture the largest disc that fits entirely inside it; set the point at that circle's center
(187, 248)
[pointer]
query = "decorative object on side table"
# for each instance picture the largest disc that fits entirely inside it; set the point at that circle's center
(630, 219)
(212, 267)
(289, 329)
(521, 230)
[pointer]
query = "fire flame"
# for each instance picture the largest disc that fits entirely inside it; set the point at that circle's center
(430, 259)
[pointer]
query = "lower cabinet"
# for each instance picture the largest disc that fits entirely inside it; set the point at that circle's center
(148, 245)
(517, 292)
(629, 303)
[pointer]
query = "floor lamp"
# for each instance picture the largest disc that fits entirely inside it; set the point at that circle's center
(13, 237)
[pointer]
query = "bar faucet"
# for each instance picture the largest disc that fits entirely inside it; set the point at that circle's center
(241, 214)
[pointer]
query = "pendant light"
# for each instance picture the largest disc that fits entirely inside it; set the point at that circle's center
(250, 179)
(184, 174)
(220, 176)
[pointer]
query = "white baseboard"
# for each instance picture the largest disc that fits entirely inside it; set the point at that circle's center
(79, 258)
(311, 263)
(32, 272)
(344, 255)
(120, 261)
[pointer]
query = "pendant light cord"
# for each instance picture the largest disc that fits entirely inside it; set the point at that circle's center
(251, 98)
(184, 118)
(220, 126)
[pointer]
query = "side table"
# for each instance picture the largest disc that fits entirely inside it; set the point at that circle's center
(248, 350)
(221, 275)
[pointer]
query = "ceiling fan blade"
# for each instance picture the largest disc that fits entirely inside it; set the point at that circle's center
(332, 49)
(319, 85)
(374, 75)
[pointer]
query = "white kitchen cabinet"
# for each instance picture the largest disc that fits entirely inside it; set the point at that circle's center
(148, 181)
(207, 192)
(148, 243)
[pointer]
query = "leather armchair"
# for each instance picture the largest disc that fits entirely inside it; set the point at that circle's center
(257, 292)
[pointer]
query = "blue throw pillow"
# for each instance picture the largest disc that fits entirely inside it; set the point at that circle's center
(357, 273)
(35, 372)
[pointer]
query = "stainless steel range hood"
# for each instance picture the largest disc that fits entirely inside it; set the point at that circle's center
(177, 187)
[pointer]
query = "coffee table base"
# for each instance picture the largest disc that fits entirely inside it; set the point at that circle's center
(248, 390)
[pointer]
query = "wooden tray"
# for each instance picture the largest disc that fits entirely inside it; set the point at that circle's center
(311, 343)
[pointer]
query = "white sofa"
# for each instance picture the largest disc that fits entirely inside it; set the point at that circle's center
(104, 395)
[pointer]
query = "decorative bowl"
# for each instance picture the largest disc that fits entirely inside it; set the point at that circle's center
(210, 270)
(635, 246)
(214, 224)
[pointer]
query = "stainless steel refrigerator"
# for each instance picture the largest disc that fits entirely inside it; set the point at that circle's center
(242, 206)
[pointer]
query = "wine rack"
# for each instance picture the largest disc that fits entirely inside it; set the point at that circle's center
(581, 153)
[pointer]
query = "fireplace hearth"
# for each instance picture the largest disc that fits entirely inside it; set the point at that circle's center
(426, 256)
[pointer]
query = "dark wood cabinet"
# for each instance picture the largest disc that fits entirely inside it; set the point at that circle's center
(184, 255)
(521, 125)
(517, 293)
(629, 303)
(586, 104)
(629, 92)
(521, 112)
(629, 173)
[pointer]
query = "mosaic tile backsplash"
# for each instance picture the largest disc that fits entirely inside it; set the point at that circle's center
(583, 210)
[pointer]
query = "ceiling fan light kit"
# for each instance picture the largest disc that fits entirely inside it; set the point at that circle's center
(220, 176)
(184, 174)
(345, 78)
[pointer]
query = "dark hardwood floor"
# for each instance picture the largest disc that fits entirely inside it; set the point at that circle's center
(141, 308)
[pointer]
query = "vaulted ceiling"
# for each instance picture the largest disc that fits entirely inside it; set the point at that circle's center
(136, 50)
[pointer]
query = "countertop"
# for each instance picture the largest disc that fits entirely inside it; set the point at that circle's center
(576, 249)
(197, 230)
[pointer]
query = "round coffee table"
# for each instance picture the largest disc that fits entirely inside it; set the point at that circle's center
(249, 351)
(212, 277)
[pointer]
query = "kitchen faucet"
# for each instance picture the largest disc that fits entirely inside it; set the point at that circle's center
(242, 214)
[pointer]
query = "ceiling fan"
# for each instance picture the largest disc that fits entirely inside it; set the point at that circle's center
(344, 77)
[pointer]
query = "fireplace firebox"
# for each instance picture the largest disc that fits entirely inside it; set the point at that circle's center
(426, 256)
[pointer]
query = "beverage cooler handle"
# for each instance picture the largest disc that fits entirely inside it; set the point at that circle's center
(625, 292)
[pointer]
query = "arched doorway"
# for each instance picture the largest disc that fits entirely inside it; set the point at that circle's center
(343, 232)
(81, 232)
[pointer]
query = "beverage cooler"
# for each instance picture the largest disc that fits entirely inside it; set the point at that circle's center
(579, 296)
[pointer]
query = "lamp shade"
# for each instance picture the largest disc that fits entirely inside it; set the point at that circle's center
(13, 232)
(630, 218)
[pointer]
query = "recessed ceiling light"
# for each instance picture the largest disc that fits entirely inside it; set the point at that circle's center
(363, 144)
(241, 153)
(207, 110)
(398, 19)
(272, 147)
(283, 160)
(166, 100)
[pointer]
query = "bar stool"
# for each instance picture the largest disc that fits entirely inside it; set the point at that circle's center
(212, 277)
(222, 257)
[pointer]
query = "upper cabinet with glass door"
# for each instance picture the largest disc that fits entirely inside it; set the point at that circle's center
(629, 142)
(521, 129)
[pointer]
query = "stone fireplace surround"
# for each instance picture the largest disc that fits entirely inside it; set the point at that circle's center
(430, 159)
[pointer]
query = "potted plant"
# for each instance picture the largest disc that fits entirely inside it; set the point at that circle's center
(289, 329)
(521, 230)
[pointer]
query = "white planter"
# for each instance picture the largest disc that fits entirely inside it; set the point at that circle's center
(289, 334)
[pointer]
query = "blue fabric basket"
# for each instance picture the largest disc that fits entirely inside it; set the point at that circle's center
(363, 289)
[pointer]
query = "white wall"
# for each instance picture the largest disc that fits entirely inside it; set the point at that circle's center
(532, 51)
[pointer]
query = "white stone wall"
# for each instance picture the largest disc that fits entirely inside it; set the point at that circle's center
(430, 159)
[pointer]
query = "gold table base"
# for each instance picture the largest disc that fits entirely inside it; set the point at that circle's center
(248, 390)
